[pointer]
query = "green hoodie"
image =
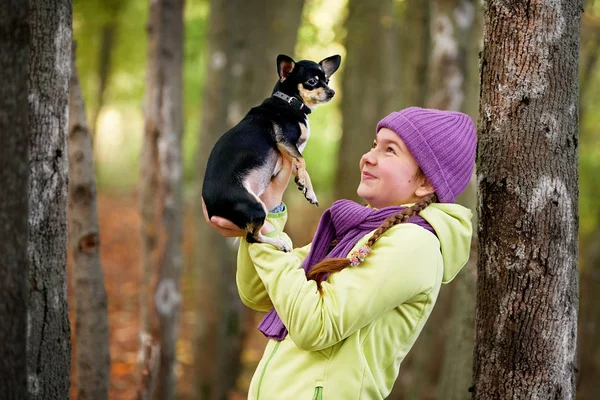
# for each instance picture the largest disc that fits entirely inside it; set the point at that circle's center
(348, 341)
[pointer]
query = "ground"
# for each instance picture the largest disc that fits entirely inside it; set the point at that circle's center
(120, 254)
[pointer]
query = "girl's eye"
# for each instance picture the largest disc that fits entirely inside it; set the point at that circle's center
(311, 82)
(390, 150)
(373, 145)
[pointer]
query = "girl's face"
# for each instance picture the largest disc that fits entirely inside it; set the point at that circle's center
(390, 174)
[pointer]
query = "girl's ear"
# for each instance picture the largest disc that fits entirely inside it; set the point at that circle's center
(424, 188)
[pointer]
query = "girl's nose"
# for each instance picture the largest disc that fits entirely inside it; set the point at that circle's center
(368, 158)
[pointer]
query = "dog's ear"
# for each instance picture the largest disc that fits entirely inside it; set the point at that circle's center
(285, 65)
(331, 64)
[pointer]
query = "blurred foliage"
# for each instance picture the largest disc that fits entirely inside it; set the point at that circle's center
(120, 124)
(589, 150)
(322, 33)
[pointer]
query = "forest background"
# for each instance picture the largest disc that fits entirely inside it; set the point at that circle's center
(403, 55)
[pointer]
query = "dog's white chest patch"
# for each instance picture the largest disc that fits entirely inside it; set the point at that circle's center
(304, 134)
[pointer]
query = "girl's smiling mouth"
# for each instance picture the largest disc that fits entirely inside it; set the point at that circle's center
(366, 175)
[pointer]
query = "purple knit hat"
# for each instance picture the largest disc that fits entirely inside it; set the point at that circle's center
(442, 142)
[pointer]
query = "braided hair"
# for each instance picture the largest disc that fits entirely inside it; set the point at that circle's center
(330, 265)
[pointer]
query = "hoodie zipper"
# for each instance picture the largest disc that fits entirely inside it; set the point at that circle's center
(262, 374)
(318, 393)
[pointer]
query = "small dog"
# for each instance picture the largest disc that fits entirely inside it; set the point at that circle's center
(248, 156)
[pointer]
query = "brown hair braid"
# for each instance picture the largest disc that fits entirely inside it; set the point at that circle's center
(331, 265)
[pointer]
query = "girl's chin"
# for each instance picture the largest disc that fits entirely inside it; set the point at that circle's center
(363, 193)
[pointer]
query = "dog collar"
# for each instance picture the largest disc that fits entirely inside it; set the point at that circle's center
(292, 101)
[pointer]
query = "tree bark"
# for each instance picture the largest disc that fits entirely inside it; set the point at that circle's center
(14, 175)
(160, 192)
(91, 319)
(48, 336)
(369, 86)
(527, 292)
(245, 38)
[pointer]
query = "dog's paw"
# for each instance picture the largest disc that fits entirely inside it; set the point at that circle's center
(281, 245)
(311, 197)
(300, 182)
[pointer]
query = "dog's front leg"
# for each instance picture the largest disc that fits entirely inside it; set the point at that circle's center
(301, 177)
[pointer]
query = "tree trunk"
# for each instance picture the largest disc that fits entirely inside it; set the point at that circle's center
(590, 49)
(107, 37)
(413, 57)
(161, 184)
(450, 29)
(245, 38)
(91, 319)
(527, 292)
(369, 87)
(429, 369)
(14, 141)
(48, 336)
(454, 86)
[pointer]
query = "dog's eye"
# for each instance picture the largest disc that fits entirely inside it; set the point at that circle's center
(311, 82)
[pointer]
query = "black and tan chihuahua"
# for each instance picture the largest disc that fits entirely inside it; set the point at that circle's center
(248, 156)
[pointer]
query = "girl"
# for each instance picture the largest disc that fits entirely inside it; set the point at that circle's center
(344, 311)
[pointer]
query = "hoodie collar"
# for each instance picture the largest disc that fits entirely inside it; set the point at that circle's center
(452, 223)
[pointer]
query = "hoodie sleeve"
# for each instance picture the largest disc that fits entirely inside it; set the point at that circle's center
(404, 263)
(250, 286)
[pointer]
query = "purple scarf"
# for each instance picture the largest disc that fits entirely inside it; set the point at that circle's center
(347, 222)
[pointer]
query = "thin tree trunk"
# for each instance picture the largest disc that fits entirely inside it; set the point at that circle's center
(104, 62)
(414, 45)
(456, 45)
(589, 60)
(91, 319)
(450, 30)
(161, 201)
(14, 175)
(245, 38)
(429, 369)
(527, 291)
(222, 256)
(369, 87)
(48, 339)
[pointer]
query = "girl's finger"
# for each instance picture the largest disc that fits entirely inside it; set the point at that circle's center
(224, 223)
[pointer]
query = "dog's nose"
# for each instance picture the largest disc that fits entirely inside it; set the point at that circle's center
(330, 92)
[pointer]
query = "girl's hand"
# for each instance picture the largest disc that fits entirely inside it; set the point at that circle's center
(224, 226)
(273, 194)
(272, 197)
